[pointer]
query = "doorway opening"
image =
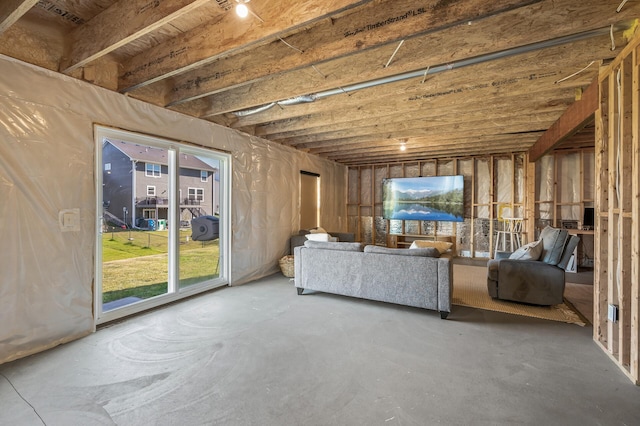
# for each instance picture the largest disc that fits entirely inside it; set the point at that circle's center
(309, 200)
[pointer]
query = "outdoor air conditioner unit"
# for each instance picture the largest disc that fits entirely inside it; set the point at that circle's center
(205, 228)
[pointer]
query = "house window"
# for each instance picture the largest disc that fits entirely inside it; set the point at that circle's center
(152, 170)
(107, 167)
(149, 213)
(151, 191)
(196, 194)
(204, 176)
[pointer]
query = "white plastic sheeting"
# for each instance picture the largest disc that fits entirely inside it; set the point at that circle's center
(47, 166)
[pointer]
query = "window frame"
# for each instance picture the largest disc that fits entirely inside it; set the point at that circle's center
(152, 172)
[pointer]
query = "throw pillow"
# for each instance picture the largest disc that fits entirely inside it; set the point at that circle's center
(442, 246)
(425, 252)
(318, 230)
(531, 251)
(318, 237)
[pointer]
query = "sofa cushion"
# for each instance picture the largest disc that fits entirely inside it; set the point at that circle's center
(531, 251)
(553, 242)
(333, 246)
(425, 252)
(442, 246)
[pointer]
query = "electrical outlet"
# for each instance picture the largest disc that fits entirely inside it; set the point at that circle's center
(612, 315)
(69, 220)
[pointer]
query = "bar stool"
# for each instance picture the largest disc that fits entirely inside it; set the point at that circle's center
(509, 238)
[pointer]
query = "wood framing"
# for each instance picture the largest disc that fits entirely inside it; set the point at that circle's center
(12, 10)
(616, 275)
(478, 241)
(574, 119)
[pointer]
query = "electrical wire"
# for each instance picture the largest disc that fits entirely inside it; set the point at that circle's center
(424, 78)
(394, 54)
(294, 48)
(613, 40)
(618, 195)
(621, 6)
(574, 74)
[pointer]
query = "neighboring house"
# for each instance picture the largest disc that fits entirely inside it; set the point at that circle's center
(135, 191)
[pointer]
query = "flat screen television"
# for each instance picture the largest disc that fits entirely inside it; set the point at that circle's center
(439, 198)
(588, 220)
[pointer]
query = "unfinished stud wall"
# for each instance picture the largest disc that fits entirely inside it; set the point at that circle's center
(617, 233)
(491, 183)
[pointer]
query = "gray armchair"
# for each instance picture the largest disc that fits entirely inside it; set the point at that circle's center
(537, 282)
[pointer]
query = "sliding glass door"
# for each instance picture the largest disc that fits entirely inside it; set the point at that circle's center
(162, 221)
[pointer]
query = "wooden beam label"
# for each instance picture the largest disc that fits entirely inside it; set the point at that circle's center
(64, 14)
(145, 7)
(196, 82)
(172, 54)
(499, 83)
(224, 4)
(391, 20)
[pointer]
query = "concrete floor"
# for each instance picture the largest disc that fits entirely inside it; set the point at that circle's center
(259, 354)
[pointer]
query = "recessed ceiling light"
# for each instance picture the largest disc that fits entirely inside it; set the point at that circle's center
(241, 8)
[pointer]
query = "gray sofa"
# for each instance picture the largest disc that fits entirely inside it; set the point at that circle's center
(411, 277)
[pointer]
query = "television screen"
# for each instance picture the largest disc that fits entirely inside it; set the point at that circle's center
(588, 220)
(424, 198)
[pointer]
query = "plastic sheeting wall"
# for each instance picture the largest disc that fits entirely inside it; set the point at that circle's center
(47, 165)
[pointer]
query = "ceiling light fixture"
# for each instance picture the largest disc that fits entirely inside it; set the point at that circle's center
(241, 8)
(403, 145)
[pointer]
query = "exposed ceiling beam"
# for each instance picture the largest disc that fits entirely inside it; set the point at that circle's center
(230, 35)
(573, 120)
(429, 103)
(369, 26)
(426, 155)
(544, 21)
(504, 121)
(528, 73)
(120, 24)
(12, 10)
(521, 139)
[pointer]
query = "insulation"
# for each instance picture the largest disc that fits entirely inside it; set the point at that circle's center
(47, 166)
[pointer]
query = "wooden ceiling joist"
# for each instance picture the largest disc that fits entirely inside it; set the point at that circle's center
(331, 39)
(496, 69)
(444, 47)
(573, 120)
(12, 10)
(209, 42)
(120, 24)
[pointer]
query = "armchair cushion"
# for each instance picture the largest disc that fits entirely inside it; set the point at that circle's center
(553, 243)
(531, 251)
(568, 251)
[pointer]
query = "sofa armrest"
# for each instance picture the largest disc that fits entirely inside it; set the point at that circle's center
(530, 281)
(502, 254)
(445, 284)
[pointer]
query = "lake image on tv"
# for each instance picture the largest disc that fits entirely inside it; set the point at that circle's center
(438, 198)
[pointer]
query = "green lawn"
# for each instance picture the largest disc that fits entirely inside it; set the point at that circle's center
(135, 263)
